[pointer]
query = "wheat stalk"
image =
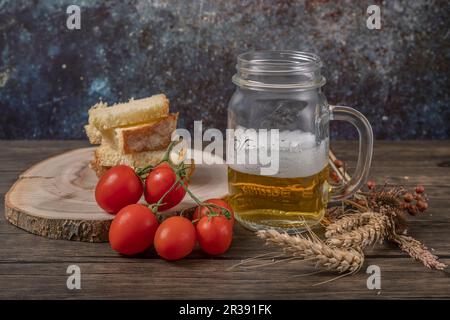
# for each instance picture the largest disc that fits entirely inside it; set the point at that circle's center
(418, 251)
(312, 248)
(374, 231)
(347, 223)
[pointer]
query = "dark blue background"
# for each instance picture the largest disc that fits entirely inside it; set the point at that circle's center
(49, 76)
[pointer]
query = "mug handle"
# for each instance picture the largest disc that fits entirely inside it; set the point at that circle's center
(361, 173)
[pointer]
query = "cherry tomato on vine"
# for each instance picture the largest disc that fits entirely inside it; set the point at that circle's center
(164, 164)
(175, 238)
(202, 211)
(133, 229)
(158, 182)
(214, 234)
(117, 188)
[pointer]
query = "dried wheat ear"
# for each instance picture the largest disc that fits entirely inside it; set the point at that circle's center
(312, 248)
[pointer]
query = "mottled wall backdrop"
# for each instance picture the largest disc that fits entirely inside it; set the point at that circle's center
(49, 75)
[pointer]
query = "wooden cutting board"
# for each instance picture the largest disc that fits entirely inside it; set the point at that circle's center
(55, 198)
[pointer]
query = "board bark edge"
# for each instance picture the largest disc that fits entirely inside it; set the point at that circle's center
(61, 229)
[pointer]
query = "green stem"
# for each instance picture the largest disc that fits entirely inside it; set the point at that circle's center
(166, 156)
(225, 211)
(159, 203)
(197, 200)
(140, 172)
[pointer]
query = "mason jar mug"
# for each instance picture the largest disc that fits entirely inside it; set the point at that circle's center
(279, 108)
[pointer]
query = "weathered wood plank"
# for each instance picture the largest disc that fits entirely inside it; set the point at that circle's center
(205, 279)
(397, 150)
(245, 245)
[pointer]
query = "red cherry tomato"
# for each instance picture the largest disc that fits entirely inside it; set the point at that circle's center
(158, 182)
(164, 164)
(175, 238)
(214, 234)
(117, 188)
(202, 211)
(133, 229)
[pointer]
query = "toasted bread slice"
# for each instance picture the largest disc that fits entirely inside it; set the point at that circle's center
(107, 156)
(97, 167)
(149, 136)
(94, 135)
(130, 113)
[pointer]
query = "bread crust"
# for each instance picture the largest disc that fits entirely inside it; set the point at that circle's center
(107, 156)
(95, 165)
(147, 137)
(99, 169)
(123, 114)
(94, 136)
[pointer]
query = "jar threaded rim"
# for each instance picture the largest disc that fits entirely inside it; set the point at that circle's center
(272, 69)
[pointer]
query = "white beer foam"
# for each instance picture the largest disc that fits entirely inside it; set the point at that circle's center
(299, 153)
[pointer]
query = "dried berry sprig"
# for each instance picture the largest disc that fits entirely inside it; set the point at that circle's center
(396, 202)
(410, 202)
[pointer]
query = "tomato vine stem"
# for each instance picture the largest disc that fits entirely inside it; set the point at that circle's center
(180, 171)
(211, 213)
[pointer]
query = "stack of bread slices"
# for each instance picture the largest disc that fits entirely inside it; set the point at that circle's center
(136, 133)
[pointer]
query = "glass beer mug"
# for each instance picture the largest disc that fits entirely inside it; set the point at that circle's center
(281, 91)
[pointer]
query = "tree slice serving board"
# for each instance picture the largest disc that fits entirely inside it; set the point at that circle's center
(55, 198)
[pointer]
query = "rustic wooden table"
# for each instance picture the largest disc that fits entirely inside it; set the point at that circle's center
(35, 267)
